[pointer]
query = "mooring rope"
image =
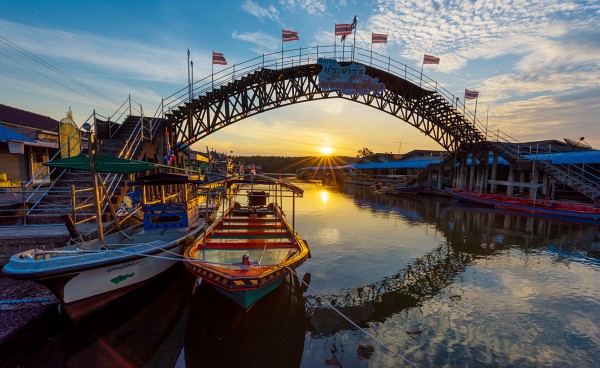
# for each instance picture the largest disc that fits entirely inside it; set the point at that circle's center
(350, 321)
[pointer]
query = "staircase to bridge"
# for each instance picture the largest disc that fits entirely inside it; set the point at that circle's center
(70, 191)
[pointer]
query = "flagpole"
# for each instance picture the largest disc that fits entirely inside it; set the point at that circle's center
(188, 68)
(334, 43)
(421, 77)
(371, 60)
(475, 113)
(212, 73)
(354, 22)
(281, 49)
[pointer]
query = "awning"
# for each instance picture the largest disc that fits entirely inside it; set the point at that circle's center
(42, 144)
(106, 164)
(8, 135)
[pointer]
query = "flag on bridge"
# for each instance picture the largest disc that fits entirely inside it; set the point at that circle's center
(218, 58)
(430, 59)
(289, 36)
(343, 29)
(471, 95)
(378, 38)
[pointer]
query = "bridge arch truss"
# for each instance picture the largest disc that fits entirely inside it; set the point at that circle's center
(280, 79)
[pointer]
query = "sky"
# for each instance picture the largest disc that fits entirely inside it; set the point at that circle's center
(535, 63)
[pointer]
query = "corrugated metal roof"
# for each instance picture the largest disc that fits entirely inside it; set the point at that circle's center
(16, 116)
(559, 158)
(406, 164)
(7, 134)
(564, 158)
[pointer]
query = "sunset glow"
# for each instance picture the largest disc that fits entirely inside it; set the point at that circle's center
(326, 150)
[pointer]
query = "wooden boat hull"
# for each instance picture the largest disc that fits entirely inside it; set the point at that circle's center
(413, 189)
(557, 210)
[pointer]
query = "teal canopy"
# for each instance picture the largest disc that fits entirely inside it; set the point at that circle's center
(106, 164)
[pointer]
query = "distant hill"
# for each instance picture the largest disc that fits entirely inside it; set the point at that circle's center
(280, 164)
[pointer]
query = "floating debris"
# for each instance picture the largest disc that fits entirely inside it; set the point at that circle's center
(364, 352)
(414, 332)
(455, 298)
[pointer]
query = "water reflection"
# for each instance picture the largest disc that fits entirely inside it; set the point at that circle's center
(144, 329)
(270, 334)
(480, 288)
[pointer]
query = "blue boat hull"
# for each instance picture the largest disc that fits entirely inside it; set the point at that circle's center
(247, 298)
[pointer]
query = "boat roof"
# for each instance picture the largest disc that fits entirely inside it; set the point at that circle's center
(104, 164)
(258, 179)
(166, 178)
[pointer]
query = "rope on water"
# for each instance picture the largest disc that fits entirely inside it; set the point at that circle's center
(28, 300)
(351, 322)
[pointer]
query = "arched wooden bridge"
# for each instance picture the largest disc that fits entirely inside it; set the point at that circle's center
(290, 77)
(274, 82)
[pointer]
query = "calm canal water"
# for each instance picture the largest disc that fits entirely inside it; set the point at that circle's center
(436, 283)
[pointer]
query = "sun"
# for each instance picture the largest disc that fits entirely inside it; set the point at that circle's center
(326, 150)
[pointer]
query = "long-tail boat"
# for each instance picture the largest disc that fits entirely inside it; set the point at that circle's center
(251, 246)
(551, 208)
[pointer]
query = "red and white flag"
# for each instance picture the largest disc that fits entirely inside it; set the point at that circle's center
(378, 38)
(430, 59)
(343, 29)
(218, 58)
(287, 36)
(471, 95)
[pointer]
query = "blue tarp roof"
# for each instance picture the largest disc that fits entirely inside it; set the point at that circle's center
(7, 134)
(321, 168)
(406, 164)
(560, 158)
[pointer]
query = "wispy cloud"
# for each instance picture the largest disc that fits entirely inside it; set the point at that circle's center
(312, 7)
(264, 42)
(114, 56)
(261, 13)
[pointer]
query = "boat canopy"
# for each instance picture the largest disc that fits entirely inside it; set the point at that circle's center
(105, 164)
(166, 179)
(259, 179)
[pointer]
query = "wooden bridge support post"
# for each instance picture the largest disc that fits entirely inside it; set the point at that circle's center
(511, 178)
(545, 179)
(494, 173)
(472, 177)
(534, 180)
(522, 180)
(481, 177)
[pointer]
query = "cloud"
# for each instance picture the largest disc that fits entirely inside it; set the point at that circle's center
(312, 7)
(261, 13)
(116, 57)
(266, 44)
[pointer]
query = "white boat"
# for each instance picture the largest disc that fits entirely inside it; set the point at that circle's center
(87, 275)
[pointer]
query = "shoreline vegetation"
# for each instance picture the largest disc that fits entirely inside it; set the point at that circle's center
(282, 164)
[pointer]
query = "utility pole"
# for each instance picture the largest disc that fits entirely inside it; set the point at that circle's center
(399, 147)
